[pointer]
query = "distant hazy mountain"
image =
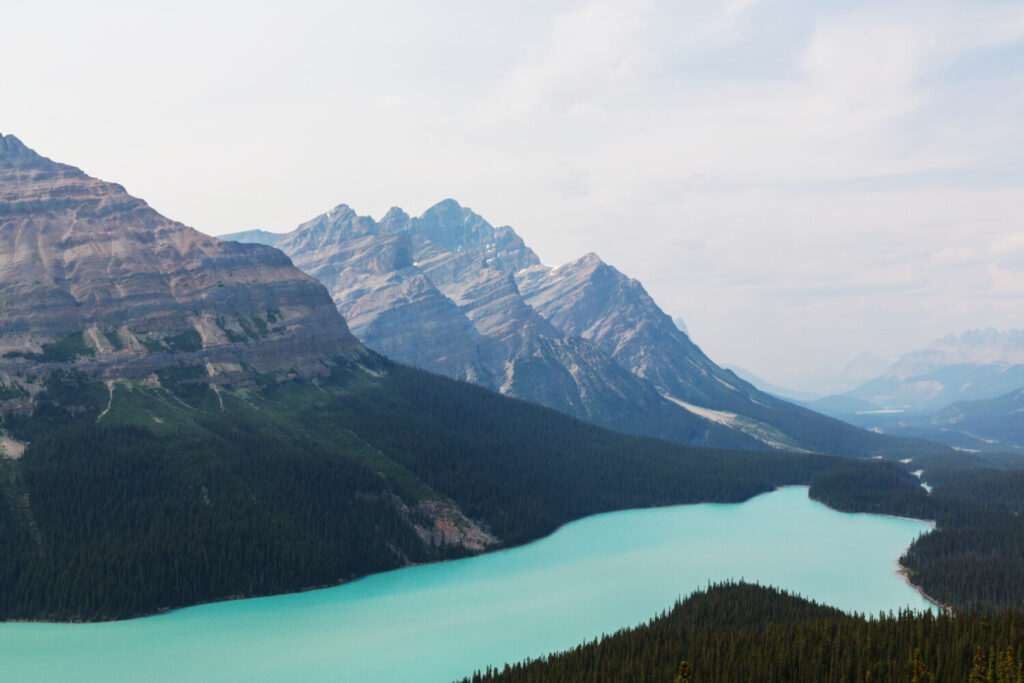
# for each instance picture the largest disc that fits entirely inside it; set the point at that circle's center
(449, 292)
(992, 424)
(995, 424)
(863, 367)
(774, 389)
(977, 365)
(974, 347)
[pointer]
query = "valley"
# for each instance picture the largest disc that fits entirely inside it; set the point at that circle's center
(187, 420)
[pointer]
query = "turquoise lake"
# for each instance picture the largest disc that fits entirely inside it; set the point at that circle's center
(440, 622)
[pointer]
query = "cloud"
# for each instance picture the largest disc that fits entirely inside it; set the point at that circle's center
(956, 256)
(1006, 281)
(591, 54)
(820, 178)
(393, 102)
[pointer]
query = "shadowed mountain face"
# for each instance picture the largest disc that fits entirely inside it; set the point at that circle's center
(88, 271)
(448, 292)
(992, 424)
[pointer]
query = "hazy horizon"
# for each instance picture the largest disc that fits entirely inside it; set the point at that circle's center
(799, 183)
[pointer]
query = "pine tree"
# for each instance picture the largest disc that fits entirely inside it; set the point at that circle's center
(979, 672)
(1007, 664)
(920, 672)
(683, 675)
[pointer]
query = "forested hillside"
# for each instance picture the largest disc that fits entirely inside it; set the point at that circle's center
(138, 496)
(141, 496)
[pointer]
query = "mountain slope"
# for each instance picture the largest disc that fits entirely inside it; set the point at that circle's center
(994, 424)
(597, 302)
(785, 393)
(450, 293)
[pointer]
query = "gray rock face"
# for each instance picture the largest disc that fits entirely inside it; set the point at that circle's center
(592, 300)
(439, 292)
(87, 267)
(449, 292)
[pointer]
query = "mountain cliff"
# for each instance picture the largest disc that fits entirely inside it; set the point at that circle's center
(449, 292)
(93, 277)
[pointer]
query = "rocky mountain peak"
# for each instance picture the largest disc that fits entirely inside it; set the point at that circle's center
(395, 220)
(341, 212)
(340, 223)
(21, 166)
(14, 154)
(453, 226)
(588, 264)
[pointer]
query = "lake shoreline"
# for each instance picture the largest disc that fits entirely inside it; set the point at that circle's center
(493, 551)
(901, 571)
(904, 572)
(438, 621)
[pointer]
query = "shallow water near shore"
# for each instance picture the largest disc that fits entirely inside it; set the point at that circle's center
(439, 622)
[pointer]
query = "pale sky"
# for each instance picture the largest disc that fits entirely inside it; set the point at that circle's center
(799, 181)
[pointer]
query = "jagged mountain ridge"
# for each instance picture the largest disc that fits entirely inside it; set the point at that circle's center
(448, 292)
(438, 292)
(975, 347)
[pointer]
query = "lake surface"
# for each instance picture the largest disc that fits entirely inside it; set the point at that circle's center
(440, 622)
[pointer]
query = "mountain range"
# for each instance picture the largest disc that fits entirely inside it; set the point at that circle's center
(448, 292)
(960, 390)
(977, 364)
(185, 419)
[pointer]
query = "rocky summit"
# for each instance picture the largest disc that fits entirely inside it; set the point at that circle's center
(94, 278)
(451, 293)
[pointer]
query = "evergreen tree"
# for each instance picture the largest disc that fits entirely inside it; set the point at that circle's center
(683, 674)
